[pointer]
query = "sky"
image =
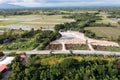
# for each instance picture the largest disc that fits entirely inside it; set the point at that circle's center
(62, 3)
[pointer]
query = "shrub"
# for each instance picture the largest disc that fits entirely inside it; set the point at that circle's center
(12, 54)
(1, 54)
(69, 63)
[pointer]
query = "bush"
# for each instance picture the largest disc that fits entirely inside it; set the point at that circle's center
(69, 63)
(1, 54)
(12, 54)
(118, 40)
(118, 22)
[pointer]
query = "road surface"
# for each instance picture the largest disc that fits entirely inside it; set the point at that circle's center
(67, 52)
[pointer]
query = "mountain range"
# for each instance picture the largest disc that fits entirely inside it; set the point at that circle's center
(10, 6)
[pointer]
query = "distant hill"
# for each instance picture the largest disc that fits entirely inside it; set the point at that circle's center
(9, 6)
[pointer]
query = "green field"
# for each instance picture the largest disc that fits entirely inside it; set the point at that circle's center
(6, 22)
(106, 32)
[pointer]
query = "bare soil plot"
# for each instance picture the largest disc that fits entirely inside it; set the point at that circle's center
(73, 40)
(76, 47)
(54, 47)
(71, 37)
(106, 48)
(102, 42)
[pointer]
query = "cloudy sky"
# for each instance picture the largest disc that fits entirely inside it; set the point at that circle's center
(58, 3)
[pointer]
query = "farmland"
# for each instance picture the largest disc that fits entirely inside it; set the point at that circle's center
(107, 33)
(7, 22)
(61, 41)
(26, 22)
(90, 23)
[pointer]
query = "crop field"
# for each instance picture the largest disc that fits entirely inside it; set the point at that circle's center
(6, 22)
(53, 20)
(32, 21)
(106, 32)
(28, 26)
(106, 19)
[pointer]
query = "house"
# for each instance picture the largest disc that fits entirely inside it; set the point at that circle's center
(3, 67)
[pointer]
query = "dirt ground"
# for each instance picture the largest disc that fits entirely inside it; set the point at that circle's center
(74, 37)
(71, 37)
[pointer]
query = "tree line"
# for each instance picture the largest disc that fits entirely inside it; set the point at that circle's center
(68, 69)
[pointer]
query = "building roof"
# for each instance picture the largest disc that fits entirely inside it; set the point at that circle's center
(2, 67)
(7, 60)
(23, 56)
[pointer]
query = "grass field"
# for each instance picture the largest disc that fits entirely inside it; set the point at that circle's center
(6, 22)
(106, 32)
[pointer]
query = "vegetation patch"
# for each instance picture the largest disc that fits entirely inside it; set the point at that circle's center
(107, 33)
(26, 40)
(106, 48)
(65, 67)
(1, 54)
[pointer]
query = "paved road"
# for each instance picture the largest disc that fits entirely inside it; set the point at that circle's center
(67, 52)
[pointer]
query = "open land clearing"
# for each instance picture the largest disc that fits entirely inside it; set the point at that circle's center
(73, 37)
